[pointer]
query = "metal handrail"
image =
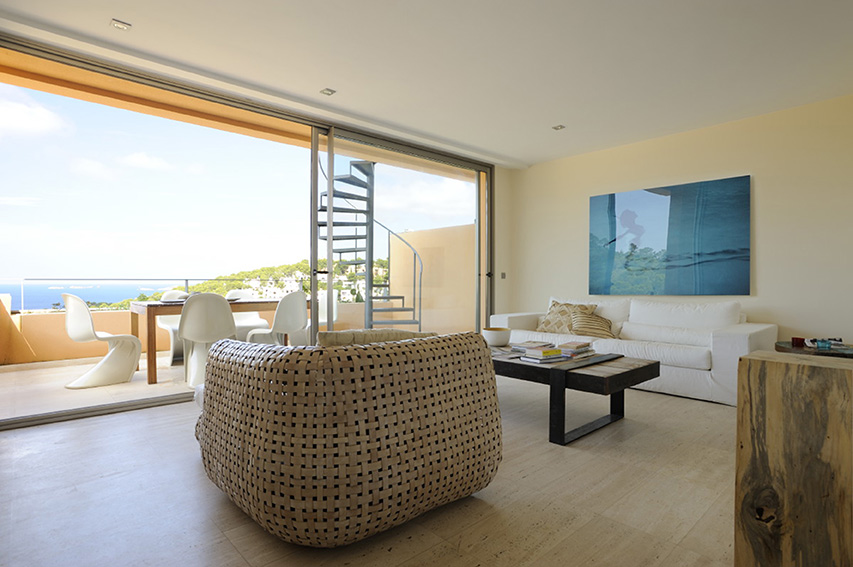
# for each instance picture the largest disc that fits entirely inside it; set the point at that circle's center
(417, 288)
(417, 283)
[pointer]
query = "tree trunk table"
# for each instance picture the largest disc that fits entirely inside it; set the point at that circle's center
(794, 471)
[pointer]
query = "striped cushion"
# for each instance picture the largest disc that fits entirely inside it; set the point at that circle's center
(591, 325)
(559, 317)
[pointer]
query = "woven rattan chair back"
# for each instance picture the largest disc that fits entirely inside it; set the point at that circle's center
(324, 446)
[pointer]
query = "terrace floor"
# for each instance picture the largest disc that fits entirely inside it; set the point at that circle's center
(38, 389)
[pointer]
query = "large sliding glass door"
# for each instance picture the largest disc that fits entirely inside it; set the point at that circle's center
(398, 235)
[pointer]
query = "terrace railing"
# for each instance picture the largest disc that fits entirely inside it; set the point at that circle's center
(35, 294)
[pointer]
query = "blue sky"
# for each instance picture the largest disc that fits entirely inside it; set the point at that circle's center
(98, 192)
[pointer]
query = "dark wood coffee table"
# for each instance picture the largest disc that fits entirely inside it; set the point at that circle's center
(604, 374)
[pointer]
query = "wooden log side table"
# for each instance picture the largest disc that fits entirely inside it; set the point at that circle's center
(794, 461)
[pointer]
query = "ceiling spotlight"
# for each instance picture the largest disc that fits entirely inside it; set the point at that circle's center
(559, 127)
(328, 92)
(119, 25)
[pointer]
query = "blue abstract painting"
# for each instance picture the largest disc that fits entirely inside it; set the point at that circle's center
(690, 239)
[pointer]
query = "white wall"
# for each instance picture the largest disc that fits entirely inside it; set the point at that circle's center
(801, 163)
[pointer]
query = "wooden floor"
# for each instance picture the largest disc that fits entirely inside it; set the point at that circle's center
(656, 489)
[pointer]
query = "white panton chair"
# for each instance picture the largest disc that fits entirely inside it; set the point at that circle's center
(301, 337)
(249, 320)
(170, 324)
(205, 319)
(291, 316)
(122, 350)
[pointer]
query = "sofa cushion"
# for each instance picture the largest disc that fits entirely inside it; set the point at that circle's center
(558, 319)
(684, 356)
(688, 315)
(658, 333)
(614, 309)
(590, 324)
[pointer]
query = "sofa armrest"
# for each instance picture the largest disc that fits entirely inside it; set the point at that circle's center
(528, 321)
(728, 344)
(744, 338)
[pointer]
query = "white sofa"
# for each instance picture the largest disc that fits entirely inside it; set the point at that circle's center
(697, 344)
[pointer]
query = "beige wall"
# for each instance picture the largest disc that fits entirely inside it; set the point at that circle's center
(801, 163)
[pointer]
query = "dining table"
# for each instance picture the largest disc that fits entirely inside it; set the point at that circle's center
(151, 309)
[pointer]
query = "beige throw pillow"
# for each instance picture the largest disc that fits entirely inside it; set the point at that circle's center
(591, 325)
(559, 317)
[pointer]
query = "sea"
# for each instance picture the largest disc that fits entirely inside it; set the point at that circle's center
(48, 295)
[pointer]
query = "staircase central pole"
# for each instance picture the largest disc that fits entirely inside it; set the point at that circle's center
(368, 266)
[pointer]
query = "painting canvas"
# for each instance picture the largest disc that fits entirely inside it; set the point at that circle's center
(690, 239)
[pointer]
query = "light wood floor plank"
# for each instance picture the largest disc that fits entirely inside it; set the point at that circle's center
(129, 489)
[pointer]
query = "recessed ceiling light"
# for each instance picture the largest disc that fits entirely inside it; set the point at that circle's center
(328, 92)
(559, 127)
(119, 25)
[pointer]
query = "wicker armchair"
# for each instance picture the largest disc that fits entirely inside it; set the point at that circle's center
(325, 446)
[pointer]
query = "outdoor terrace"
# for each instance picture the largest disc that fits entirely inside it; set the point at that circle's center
(37, 360)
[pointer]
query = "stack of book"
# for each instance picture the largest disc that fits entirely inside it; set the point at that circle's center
(543, 354)
(576, 350)
(522, 347)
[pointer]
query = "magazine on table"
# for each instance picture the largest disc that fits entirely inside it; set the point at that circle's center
(522, 347)
(544, 360)
(542, 352)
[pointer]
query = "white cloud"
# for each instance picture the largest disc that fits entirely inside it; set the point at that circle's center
(19, 201)
(20, 115)
(145, 161)
(92, 168)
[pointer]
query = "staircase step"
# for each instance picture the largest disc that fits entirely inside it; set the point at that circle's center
(387, 297)
(344, 237)
(396, 322)
(349, 250)
(365, 167)
(394, 310)
(324, 208)
(343, 223)
(345, 195)
(352, 180)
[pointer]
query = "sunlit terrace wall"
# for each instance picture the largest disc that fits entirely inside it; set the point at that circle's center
(448, 278)
(41, 337)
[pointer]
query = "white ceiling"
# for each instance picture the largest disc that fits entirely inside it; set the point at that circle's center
(485, 79)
